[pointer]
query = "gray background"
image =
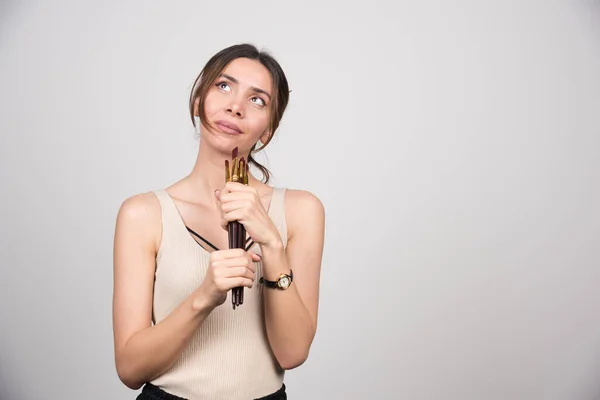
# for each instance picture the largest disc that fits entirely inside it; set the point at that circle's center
(455, 146)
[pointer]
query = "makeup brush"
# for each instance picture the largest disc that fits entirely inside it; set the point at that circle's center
(235, 229)
(242, 230)
(229, 225)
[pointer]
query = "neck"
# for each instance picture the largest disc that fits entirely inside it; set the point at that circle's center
(208, 173)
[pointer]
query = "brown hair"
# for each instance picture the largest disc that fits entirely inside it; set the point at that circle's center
(217, 64)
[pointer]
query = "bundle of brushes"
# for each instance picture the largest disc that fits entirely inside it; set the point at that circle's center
(237, 233)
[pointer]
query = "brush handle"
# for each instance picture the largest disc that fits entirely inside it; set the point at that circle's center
(242, 244)
(236, 242)
(230, 234)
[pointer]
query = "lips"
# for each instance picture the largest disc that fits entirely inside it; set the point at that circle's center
(228, 127)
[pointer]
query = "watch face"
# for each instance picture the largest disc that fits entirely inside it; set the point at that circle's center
(284, 282)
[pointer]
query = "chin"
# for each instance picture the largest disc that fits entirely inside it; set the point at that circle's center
(224, 143)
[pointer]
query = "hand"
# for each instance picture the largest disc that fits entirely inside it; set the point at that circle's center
(242, 203)
(227, 269)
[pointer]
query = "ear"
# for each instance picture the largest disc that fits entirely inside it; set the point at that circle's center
(196, 104)
(264, 137)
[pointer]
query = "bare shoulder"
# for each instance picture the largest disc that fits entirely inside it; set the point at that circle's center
(297, 199)
(304, 210)
(142, 208)
(141, 214)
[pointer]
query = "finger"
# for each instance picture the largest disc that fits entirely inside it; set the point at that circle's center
(235, 215)
(237, 282)
(251, 266)
(235, 205)
(220, 255)
(226, 267)
(231, 254)
(226, 284)
(221, 191)
(226, 197)
(237, 272)
(255, 257)
(238, 215)
(239, 187)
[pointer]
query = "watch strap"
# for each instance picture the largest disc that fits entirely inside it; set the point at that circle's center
(275, 284)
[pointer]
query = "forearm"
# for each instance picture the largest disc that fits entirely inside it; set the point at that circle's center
(289, 325)
(150, 352)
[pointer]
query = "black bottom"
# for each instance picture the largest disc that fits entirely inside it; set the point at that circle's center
(152, 392)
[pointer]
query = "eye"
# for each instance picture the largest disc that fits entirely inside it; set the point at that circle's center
(223, 86)
(259, 101)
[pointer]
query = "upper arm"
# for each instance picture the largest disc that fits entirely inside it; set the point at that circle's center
(135, 243)
(306, 216)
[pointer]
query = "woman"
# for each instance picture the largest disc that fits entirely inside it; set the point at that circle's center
(174, 332)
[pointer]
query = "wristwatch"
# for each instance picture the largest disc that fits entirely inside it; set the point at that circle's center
(283, 281)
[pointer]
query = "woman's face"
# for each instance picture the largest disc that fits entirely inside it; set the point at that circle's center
(237, 106)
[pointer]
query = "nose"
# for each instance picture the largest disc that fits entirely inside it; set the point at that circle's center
(235, 107)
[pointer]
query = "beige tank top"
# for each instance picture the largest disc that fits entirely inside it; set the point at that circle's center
(229, 356)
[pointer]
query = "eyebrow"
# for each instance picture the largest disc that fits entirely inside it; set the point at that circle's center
(254, 88)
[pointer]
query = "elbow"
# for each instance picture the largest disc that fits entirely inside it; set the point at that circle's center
(293, 357)
(129, 381)
(292, 364)
(292, 360)
(127, 376)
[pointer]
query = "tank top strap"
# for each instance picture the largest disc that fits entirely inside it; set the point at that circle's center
(166, 204)
(171, 219)
(277, 212)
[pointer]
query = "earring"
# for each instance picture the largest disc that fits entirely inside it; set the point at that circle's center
(197, 124)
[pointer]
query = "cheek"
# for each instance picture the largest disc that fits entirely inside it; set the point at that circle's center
(260, 122)
(212, 104)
